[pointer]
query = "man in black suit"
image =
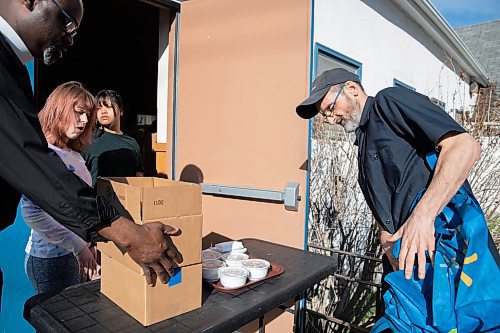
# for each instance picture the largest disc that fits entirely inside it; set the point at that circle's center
(44, 29)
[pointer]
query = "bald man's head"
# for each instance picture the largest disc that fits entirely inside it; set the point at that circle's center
(47, 27)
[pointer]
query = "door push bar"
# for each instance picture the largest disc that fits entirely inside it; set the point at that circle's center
(290, 196)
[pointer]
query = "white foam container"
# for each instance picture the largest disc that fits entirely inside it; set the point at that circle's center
(257, 268)
(211, 274)
(234, 259)
(233, 277)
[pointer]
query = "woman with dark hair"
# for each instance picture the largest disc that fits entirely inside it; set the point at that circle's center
(112, 153)
(56, 257)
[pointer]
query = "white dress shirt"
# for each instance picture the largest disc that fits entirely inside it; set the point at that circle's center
(17, 44)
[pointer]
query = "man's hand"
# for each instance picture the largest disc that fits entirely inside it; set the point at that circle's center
(149, 245)
(387, 248)
(417, 236)
(152, 247)
(457, 154)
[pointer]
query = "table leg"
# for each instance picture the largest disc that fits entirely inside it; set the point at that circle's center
(296, 314)
(303, 312)
(299, 313)
(262, 327)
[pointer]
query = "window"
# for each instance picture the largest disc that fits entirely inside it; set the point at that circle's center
(326, 59)
(397, 83)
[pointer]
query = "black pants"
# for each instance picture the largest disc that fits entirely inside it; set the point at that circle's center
(386, 269)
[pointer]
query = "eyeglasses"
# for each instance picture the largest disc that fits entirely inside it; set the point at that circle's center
(71, 26)
(328, 112)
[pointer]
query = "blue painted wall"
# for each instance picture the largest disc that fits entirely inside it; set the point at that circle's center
(17, 288)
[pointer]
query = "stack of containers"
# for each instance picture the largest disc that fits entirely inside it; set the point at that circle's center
(144, 200)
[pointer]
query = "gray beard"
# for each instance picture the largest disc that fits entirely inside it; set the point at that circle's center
(352, 124)
(50, 55)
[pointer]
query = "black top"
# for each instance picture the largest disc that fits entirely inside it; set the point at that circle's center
(82, 308)
(28, 166)
(112, 155)
(398, 128)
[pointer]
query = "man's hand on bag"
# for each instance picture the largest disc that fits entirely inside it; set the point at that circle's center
(149, 245)
(417, 237)
(387, 248)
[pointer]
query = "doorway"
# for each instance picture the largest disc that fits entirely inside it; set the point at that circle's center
(116, 48)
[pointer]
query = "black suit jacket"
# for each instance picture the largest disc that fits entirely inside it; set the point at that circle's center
(29, 167)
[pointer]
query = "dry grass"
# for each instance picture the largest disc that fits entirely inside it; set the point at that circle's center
(484, 124)
(340, 219)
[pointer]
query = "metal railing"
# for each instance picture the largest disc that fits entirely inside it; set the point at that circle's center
(378, 286)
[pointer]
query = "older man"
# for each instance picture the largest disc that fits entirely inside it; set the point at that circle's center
(395, 130)
(44, 29)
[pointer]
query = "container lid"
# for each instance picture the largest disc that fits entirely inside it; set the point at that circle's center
(212, 263)
(234, 256)
(209, 254)
(233, 271)
(256, 263)
(213, 248)
(229, 246)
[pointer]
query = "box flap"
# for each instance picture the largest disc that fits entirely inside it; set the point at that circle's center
(174, 200)
(148, 198)
(124, 197)
(134, 181)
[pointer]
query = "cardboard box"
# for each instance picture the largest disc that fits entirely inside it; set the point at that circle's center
(150, 198)
(146, 200)
(149, 305)
(188, 243)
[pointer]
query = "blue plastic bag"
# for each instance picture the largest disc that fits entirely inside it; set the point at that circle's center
(461, 293)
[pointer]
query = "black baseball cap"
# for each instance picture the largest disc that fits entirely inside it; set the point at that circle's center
(307, 109)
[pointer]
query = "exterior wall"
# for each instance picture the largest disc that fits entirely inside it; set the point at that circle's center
(243, 68)
(390, 46)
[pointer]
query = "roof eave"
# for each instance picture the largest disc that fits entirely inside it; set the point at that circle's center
(433, 23)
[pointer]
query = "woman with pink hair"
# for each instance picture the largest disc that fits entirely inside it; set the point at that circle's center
(56, 257)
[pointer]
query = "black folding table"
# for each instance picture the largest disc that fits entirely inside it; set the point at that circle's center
(82, 308)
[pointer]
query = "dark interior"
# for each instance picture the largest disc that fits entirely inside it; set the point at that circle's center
(116, 48)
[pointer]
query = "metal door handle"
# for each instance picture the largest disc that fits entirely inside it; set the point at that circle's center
(289, 196)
